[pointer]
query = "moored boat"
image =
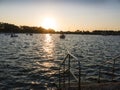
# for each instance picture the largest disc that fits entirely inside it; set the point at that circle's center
(14, 35)
(62, 36)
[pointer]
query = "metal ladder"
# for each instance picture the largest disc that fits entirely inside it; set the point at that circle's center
(113, 69)
(66, 73)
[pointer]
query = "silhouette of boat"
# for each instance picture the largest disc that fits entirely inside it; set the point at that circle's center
(30, 34)
(14, 35)
(62, 36)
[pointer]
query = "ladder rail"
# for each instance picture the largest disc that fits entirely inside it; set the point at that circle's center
(69, 56)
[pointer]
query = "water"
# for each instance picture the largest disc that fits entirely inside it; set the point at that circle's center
(31, 62)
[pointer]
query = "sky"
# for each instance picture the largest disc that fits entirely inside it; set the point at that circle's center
(65, 15)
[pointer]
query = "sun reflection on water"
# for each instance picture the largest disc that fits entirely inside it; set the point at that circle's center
(48, 45)
(46, 64)
(48, 50)
(48, 38)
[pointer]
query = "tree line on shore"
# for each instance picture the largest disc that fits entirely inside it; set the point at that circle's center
(11, 28)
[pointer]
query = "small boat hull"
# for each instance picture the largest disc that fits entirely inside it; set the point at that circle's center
(62, 36)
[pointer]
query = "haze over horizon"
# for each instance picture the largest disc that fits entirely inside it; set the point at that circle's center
(63, 14)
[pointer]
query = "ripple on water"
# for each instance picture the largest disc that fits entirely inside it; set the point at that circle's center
(30, 62)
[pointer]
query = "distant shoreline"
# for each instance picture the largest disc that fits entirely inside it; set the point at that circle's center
(11, 28)
(64, 33)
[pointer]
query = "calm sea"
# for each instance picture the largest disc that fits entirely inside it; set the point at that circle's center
(31, 62)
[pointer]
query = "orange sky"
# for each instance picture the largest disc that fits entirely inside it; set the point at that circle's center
(63, 14)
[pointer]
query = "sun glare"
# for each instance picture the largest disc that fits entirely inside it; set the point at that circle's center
(49, 23)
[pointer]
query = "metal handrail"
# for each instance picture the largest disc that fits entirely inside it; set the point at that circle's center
(113, 68)
(68, 56)
(64, 60)
(78, 79)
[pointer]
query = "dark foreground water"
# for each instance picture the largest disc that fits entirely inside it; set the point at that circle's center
(31, 62)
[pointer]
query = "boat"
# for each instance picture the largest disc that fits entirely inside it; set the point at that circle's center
(30, 34)
(62, 36)
(14, 35)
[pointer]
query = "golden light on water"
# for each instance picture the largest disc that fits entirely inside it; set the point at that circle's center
(48, 38)
(48, 45)
(46, 64)
(48, 50)
(48, 54)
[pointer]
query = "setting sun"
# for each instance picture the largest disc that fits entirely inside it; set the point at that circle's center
(49, 23)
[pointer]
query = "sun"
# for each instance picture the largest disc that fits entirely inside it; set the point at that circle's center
(49, 23)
